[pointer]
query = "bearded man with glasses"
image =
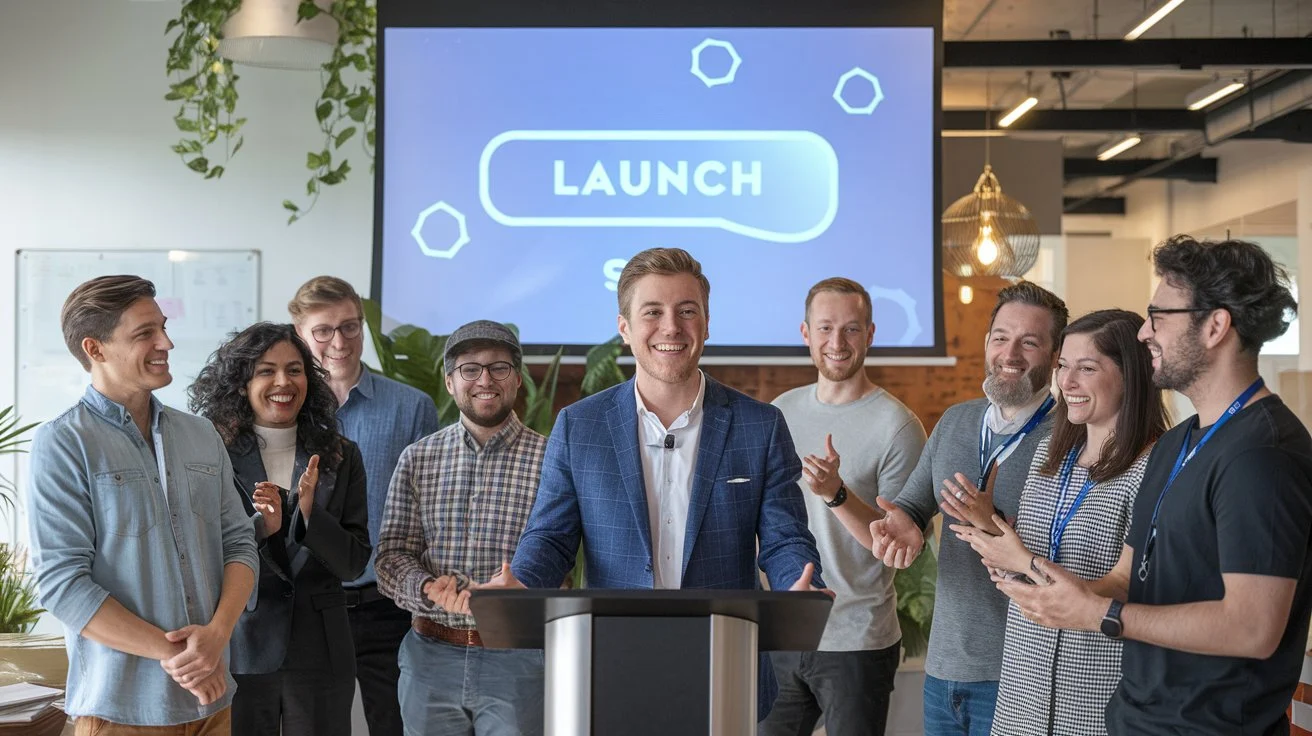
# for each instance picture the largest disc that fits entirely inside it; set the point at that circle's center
(458, 503)
(383, 417)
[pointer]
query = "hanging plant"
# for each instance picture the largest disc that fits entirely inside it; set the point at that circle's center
(345, 108)
(204, 85)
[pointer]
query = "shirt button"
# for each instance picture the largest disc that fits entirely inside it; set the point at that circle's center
(183, 558)
(156, 479)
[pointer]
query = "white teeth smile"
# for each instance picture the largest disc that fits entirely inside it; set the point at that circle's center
(485, 395)
(669, 348)
(157, 362)
(838, 356)
(1077, 399)
(282, 399)
(1006, 369)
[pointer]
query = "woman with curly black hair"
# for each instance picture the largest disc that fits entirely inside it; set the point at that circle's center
(291, 652)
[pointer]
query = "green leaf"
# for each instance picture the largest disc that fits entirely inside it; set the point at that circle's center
(215, 173)
(344, 136)
(313, 162)
(306, 10)
(311, 187)
(324, 109)
(194, 146)
(237, 147)
(293, 218)
(334, 89)
(358, 113)
(186, 125)
(289, 205)
(200, 164)
(171, 25)
(180, 149)
(369, 137)
(603, 370)
(175, 96)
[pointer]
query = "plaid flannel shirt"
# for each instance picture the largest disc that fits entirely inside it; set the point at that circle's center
(455, 507)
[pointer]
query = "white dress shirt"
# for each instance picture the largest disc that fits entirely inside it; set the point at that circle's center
(668, 476)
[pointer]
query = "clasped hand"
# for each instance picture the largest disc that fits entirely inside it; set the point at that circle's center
(198, 666)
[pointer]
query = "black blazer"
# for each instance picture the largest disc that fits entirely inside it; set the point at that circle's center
(296, 616)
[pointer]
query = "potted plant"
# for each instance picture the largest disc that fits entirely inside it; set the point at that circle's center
(204, 84)
(11, 443)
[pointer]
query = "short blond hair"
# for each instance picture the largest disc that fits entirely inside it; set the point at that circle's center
(840, 285)
(320, 292)
(95, 307)
(663, 262)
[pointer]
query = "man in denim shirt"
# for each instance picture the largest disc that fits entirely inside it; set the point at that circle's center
(383, 417)
(141, 546)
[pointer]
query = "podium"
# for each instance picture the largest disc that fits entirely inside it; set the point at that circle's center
(640, 662)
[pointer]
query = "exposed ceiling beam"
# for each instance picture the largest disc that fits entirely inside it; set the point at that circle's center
(1196, 169)
(1296, 127)
(1149, 120)
(1164, 53)
(1094, 206)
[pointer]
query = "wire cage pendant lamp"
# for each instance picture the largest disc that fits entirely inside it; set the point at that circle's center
(987, 233)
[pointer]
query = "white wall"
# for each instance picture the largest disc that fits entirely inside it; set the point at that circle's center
(85, 159)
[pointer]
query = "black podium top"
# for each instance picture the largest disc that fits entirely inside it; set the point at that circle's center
(786, 620)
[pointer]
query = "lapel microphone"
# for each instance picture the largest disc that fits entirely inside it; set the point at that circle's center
(669, 442)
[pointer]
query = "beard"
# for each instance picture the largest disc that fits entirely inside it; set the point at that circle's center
(489, 420)
(1018, 391)
(838, 375)
(1183, 370)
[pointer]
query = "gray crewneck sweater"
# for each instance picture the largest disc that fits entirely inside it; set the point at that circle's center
(970, 615)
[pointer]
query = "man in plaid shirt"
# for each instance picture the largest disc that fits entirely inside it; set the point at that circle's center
(455, 509)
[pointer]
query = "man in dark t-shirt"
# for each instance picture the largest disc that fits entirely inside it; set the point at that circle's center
(1214, 587)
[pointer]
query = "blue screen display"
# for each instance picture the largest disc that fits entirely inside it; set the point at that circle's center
(523, 166)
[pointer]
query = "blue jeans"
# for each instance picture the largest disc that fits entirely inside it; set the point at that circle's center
(959, 708)
(449, 690)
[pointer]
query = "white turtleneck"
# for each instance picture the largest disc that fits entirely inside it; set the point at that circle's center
(278, 453)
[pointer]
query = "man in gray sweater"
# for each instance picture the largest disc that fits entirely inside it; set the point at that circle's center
(989, 442)
(849, 680)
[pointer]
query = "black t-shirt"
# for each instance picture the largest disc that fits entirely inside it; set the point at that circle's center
(1243, 504)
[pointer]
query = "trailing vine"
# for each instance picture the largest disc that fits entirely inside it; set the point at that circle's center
(205, 85)
(346, 105)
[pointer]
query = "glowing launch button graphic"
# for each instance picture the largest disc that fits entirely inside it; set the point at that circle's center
(778, 186)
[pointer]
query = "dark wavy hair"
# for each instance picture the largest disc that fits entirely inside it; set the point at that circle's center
(1142, 417)
(1234, 275)
(219, 393)
(1028, 292)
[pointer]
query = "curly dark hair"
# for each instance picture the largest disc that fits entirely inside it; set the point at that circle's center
(1142, 417)
(219, 393)
(1234, 275)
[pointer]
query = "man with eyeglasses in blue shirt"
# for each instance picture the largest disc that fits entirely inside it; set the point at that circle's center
(383, 417)
(141, 548)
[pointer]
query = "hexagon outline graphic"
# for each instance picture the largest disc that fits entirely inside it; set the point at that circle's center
(735, 62)
(908, 304)
(450, 251)
(851, 74)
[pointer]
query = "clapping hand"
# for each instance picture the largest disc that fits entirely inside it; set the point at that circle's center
(1004, 551)
(963, 501)
(267, 500)
(804, 581)
(306, 486)
(821, 473)
(895, 539)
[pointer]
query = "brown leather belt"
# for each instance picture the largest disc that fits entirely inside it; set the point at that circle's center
(431, 629)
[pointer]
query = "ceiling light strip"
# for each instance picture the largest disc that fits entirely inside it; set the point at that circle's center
(1016, 112)
(1153, 19)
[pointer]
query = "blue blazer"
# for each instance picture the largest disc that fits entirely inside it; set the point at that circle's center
(592, 490)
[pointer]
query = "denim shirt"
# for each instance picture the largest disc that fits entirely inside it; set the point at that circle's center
(154, 531)
(383, 417)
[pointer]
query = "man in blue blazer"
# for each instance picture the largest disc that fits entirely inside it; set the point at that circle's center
(671, 479)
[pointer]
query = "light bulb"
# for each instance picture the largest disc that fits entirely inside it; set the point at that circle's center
(966, 294)
(987, 247)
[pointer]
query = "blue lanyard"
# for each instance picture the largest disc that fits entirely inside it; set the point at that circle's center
(986, 461)
(1181, 460)
(1059, 519)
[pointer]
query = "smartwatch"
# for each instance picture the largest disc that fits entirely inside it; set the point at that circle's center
(839, 498)
(1111, 621)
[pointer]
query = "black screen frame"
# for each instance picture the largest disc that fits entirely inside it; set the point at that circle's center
(673, 14)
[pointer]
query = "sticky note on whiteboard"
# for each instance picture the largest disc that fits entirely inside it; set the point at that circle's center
(171, 306)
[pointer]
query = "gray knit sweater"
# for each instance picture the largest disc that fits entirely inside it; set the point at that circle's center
(970, 615)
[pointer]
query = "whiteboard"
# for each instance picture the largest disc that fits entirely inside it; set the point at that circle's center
(204, 294)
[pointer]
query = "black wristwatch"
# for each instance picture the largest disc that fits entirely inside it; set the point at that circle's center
(839, 498)
(1111, 621)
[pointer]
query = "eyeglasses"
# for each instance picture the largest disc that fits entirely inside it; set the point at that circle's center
(471, 372)
(349, 329)
(1154, 311)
